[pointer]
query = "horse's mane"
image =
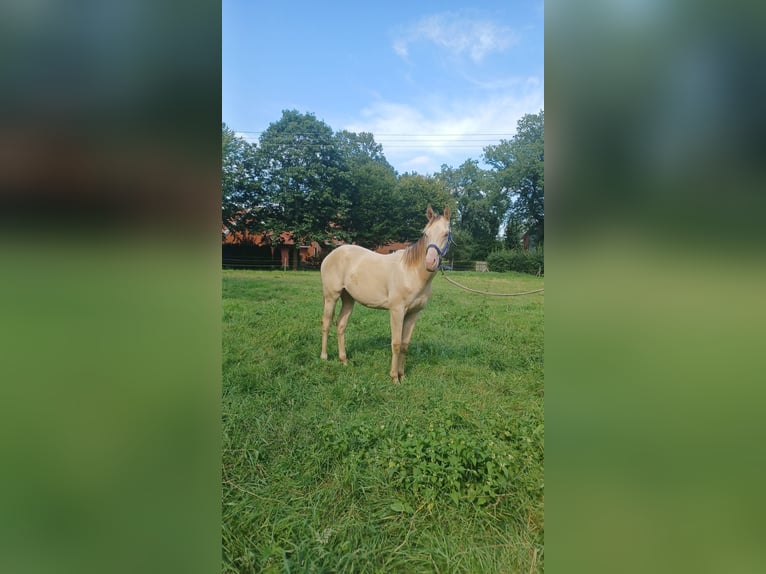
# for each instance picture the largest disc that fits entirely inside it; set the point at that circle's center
(415, 253)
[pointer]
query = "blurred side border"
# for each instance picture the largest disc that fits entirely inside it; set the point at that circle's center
(654, 285)
(110, 286)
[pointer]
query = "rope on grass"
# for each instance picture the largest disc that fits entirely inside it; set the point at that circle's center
(455, 283)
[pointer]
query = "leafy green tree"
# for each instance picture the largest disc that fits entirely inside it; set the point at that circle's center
(514, 230)
(463, 247)
(413, 194)
(519, 168)
(361, 147)
(481, 208)
(371, 184)
(304, 178)
(240, 192)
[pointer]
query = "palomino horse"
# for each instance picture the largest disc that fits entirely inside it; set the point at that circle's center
(399, 282)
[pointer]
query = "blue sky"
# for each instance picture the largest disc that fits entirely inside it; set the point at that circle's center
(435, 82)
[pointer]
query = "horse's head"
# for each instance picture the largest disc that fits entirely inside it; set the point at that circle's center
(437, 237)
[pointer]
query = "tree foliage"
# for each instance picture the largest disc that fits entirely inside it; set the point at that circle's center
(519, 169)
(480, 208)
(413, 194)
(240, 188)
(302, 174)
(319, 185)
(371, 184)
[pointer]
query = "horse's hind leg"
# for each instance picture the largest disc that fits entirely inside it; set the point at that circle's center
(343, 315)
(329, 310)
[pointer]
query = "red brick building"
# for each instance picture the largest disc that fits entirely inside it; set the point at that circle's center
(281, 248)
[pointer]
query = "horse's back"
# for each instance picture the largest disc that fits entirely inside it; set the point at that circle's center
(350, 258)
(361, 272)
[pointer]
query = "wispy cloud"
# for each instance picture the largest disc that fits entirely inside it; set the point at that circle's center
(459, 35)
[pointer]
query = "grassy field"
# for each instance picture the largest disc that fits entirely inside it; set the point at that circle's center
(329, 468)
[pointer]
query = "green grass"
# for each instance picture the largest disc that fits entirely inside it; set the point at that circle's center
(329, 468)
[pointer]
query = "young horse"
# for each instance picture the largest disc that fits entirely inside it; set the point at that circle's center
(399, 282)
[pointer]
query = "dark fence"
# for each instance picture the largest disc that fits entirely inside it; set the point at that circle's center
(250, 257)
(256, 257)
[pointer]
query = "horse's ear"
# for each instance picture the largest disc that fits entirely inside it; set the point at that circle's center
(447, 213)
(429, 213)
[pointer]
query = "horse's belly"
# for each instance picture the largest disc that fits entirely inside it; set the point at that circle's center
(369, 293)
(375, 304)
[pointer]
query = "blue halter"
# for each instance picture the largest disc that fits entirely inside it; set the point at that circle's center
(441, 252)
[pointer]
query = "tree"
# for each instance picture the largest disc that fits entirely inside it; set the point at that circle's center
(413, 194)
(514, 231)
(371, 184)
(361, 147)
(302, 174)
(481, 208)
(519, 169)
(240, 192)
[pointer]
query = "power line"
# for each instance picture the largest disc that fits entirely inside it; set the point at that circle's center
(418, 141)
(383, 134)
(394, 142)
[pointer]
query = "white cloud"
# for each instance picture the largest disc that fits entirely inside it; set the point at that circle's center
(418, 163)
(458, 35)
(425, 135)
(400, 47)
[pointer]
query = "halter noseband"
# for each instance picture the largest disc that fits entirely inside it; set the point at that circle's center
(441, 252)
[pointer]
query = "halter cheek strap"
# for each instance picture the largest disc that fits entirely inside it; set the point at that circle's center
(441, 252)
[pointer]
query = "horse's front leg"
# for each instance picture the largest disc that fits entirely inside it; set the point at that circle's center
(408, 326)
(397, 320)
